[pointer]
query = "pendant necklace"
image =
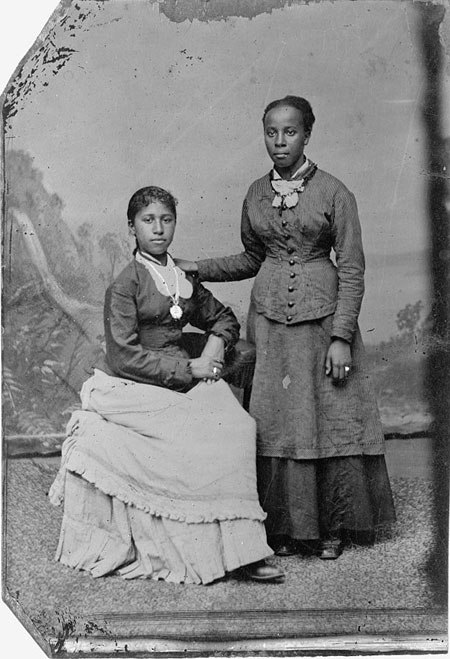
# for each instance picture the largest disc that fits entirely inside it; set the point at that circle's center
(175, 310)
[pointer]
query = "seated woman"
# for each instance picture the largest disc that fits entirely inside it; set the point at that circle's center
(158, 470)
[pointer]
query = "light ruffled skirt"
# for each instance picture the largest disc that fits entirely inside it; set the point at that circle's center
(159, 484)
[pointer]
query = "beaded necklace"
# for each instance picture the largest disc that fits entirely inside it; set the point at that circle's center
(175, 310)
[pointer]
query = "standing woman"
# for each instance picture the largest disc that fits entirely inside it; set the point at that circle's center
(322, 476)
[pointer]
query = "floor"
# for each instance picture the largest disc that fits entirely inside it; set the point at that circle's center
(392, 574)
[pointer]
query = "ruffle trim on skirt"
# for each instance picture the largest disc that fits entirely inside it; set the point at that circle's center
(182, 510)
(104, 536)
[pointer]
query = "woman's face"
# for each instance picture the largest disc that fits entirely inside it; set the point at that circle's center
(285, 137)
(154, 228)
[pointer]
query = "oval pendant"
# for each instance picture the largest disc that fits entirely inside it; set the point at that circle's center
(176, 311)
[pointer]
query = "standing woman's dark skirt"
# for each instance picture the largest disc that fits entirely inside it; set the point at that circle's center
(321, 467)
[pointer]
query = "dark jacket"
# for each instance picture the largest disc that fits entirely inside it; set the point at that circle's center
(296, 279)
(144, 342)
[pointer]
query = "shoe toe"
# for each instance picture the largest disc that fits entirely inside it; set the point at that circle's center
(330, 552)
(265, 572)
(285, 550)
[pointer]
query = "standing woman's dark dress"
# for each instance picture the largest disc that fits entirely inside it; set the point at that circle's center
(321, 468)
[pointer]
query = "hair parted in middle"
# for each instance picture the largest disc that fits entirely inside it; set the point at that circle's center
(300, 104)
(145, 196)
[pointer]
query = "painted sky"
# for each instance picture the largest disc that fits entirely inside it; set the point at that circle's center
(149, 101)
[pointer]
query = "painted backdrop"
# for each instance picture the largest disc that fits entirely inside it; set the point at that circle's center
(119, 94)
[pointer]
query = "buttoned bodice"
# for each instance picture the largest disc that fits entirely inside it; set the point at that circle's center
(290, 254)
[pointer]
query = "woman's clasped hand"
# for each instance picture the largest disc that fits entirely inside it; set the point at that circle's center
(206, 368)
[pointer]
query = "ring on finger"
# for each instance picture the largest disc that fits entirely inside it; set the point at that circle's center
(215, 371)
(347, 370)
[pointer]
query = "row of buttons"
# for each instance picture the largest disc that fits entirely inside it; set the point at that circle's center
(286, 236)
(291, 290)
(290, 250)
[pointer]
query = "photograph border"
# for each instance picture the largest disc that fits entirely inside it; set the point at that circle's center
(229, 633)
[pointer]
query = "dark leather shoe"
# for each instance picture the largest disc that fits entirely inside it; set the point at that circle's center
(330, 550)
(264, 572)
(288, 549)
(293, 547)
(283, 545)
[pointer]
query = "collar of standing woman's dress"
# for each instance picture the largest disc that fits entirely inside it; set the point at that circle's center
(287, 191)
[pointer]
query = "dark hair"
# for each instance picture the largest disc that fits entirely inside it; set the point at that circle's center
(300, 104)
(146, 196)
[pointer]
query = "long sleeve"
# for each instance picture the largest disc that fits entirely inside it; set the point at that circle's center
(213, 317)
(350, 264)
(237, 266)
(125, 355)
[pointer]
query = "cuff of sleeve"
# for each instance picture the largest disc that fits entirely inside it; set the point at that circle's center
(342, 335)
